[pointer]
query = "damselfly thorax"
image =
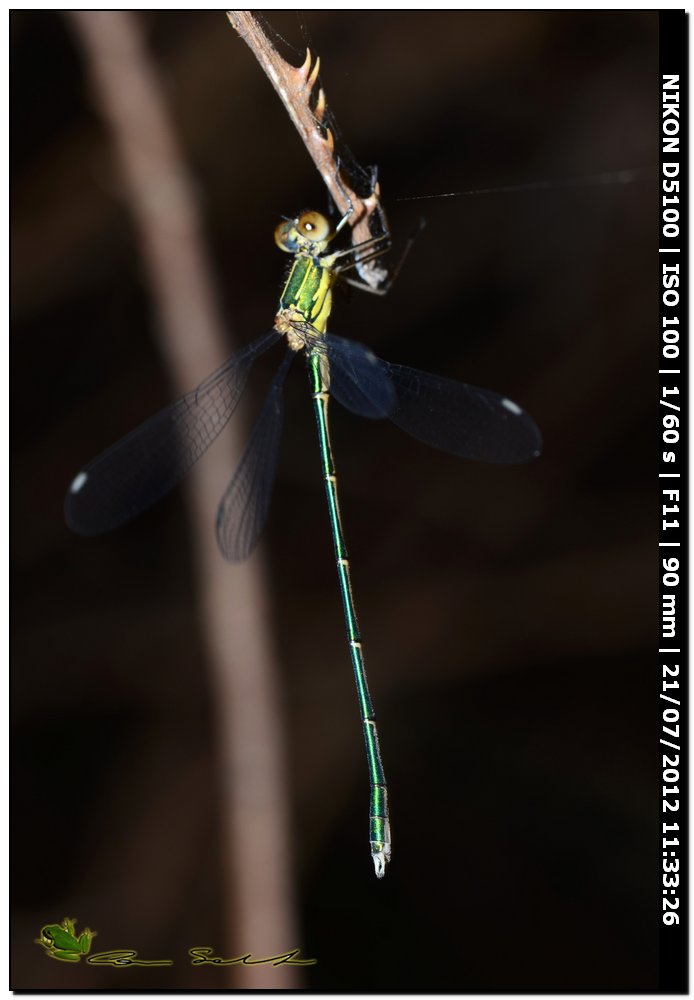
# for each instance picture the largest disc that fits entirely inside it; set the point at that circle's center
(306, 299)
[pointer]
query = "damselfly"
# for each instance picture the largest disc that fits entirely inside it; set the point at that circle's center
(141, 468)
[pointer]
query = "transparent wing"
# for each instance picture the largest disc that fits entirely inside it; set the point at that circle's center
(358, 380)
(145, 465)
(462, 419)
(243, 509)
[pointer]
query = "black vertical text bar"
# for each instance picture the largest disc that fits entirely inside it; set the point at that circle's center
(673, 480)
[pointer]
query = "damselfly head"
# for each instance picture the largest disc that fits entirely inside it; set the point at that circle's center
(310, 232)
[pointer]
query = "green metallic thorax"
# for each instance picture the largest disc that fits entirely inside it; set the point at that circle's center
(308, 290)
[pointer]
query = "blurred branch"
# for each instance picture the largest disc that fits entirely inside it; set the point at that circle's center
(308, 109)
(193, 343)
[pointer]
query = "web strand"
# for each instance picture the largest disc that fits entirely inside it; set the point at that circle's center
(630, 176)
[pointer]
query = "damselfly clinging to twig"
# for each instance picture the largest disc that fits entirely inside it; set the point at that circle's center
(141, 468)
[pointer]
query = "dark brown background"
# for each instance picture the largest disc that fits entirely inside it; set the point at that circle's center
(509, 614)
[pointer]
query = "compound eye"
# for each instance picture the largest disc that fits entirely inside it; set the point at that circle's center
(285, 236)
(314, 226)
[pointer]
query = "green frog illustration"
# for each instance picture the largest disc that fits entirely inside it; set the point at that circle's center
(61, 941)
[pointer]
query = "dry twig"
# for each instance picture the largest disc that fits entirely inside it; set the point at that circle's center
(307, 108)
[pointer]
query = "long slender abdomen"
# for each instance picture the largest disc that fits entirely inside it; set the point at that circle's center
(379, 824)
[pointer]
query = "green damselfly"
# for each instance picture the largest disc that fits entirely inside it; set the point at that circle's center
(141, 468)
